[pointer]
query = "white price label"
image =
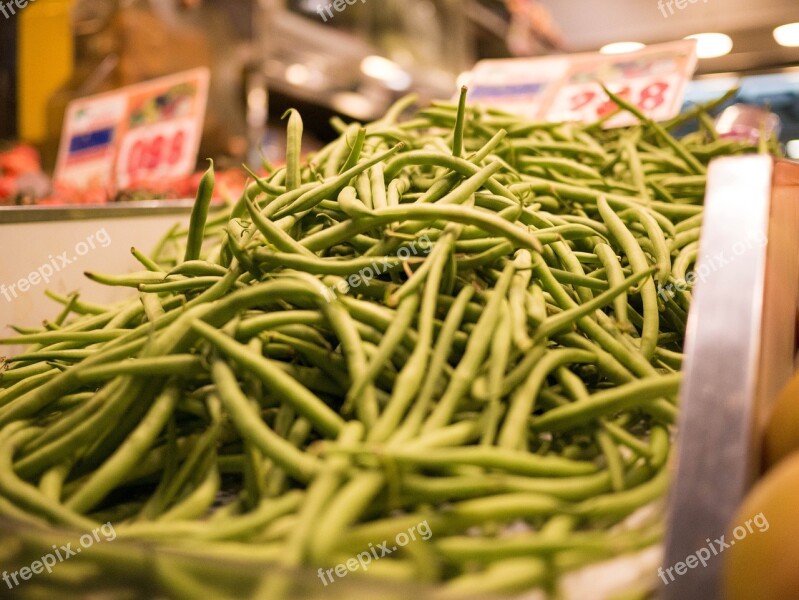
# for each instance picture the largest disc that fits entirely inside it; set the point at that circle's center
(152, 152)
(148, 133)
(567, 88)
(588, 102)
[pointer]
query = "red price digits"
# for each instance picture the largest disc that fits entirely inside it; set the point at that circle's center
(609, 106)
(135, 158)
(582, 100)
(146, 155)
(650, 98)
(154, 153)
(176, 148)
(653, 95)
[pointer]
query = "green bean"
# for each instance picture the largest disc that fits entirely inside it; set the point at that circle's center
(492, 457)
(300, 398)
(612, 459)
(355, 153)
(679, 149)
(618, 202)
(619, 504)
(196, 504)
(344, 509)
(131, 280)
(146, 262)
(500, 351)
(556, 323)
(111, 473)
(343, 325)
(608, 401)
(293, 149)
(248, 421)
(568, 148)
(467, 549)
(513, 432)
(659, 445)
(24, 495)
(186, 285)
(615, 276)
(393, 337)
(53, 355)
(273, 234)
(265, 186)
(25, 386)
(199, 215)
(457, 142)
(377, 182)
(313, 196)
(476, 350)
(438, 360)
(10, 376)
(166, 365)
(639, 264)
(79, 306)
(510, 576)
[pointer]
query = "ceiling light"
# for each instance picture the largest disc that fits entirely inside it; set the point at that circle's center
(387, 71)
(793, 149)
(298, 74)
(354, 105)
(787, 35)
(711, 45)
(621, 47)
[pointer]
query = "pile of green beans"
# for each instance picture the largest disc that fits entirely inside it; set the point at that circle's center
(456, 317)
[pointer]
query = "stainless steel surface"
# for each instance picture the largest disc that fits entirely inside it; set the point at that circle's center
(39, 214)
(739, 351)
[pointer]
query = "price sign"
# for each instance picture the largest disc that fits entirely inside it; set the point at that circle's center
(654, 79)
(157, 152)
(149, 132)
(521, 86)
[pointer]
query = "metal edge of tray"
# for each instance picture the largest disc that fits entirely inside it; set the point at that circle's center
(738, 353)
(79, 212)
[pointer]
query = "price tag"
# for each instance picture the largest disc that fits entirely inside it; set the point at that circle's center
(148, 132)
(568, 88)
(653, 79)
(153, 152)
(521, 86)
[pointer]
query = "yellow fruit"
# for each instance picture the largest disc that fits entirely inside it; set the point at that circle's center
(782, 432)
(762, 564)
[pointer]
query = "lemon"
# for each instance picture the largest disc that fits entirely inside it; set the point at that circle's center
(782, 431)
(761, 561)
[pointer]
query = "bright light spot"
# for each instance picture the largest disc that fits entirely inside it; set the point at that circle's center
(787, 35)
(711, 45)
(387, 71)
(792, 148)
(621, 47)
(354, 105)
(298, 74)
